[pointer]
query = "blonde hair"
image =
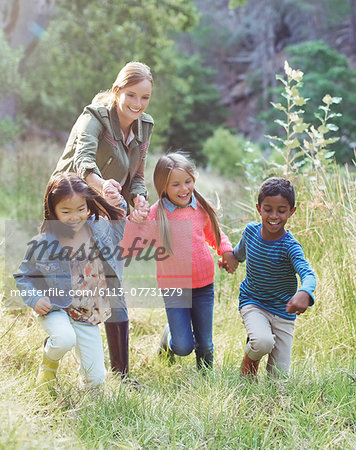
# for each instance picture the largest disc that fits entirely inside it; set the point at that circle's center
(132, 73)
(161, 176)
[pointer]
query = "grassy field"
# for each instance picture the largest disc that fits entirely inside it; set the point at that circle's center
(171, 405)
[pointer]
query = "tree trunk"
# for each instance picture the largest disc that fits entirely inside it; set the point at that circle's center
(353, 26)
(23, 23)
(268, 56)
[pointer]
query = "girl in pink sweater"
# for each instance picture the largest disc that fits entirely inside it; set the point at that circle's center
(187, 226)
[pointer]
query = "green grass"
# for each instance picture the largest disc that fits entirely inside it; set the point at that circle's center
(171, 405)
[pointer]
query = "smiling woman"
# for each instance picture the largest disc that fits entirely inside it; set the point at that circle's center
(131, 102)
(108, 143)
(107, 147)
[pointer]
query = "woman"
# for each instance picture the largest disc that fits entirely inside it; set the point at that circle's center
(107, 147)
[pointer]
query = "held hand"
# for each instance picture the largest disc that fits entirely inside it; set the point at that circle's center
(137, 216)
(298, 303)
(142, 208)
(42, 306)
(228, 262)
(141, 203)
(111, 184)
(111, 192)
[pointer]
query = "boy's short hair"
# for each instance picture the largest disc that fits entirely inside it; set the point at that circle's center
(277, 186)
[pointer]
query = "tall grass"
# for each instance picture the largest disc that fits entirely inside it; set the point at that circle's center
(171, 405)
(327, 227)
(24, 175)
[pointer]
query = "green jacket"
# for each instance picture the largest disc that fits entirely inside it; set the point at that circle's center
(95, 145)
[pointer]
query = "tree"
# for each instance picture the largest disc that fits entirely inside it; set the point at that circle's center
(198, 110)
(88, 42)
(23, 23)
(244, 46)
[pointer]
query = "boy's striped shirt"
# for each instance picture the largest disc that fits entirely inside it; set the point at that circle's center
(271, 268)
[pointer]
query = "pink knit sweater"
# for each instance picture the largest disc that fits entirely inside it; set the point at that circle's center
(191, 265)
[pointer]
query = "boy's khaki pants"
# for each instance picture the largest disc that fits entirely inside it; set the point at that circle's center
(268, 334)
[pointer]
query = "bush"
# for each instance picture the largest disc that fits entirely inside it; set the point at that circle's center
(230, 154)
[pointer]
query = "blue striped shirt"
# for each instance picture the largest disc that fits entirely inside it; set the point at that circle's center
(271, 268)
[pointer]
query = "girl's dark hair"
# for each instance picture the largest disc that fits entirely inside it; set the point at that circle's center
(162, 172)
(64, 185)
(277, 186)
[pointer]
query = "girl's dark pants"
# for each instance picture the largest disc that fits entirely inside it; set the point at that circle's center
(191, 327)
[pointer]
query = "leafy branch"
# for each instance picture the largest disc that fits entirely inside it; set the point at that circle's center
(304, 145)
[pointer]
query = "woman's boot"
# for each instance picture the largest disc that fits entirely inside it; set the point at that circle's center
(117, 334)
(249, 367)
(204, 360)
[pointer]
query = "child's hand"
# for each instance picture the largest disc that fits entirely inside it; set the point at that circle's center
(111, 192)
(137, 217)
(42, 306)
(142, 208)
(228, 262)
(298, 303)
(141, 203)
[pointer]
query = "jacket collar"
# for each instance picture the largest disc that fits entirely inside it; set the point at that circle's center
(115, 124)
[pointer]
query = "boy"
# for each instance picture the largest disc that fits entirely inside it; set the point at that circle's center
(269, 300)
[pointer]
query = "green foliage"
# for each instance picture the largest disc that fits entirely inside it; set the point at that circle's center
(197, 107)
(230, 154)
(327, 223)
(327, 72)
(9, 131)
(77, 58)
(330, 13)
(237, 3)
(304, 145)
(86, 45)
